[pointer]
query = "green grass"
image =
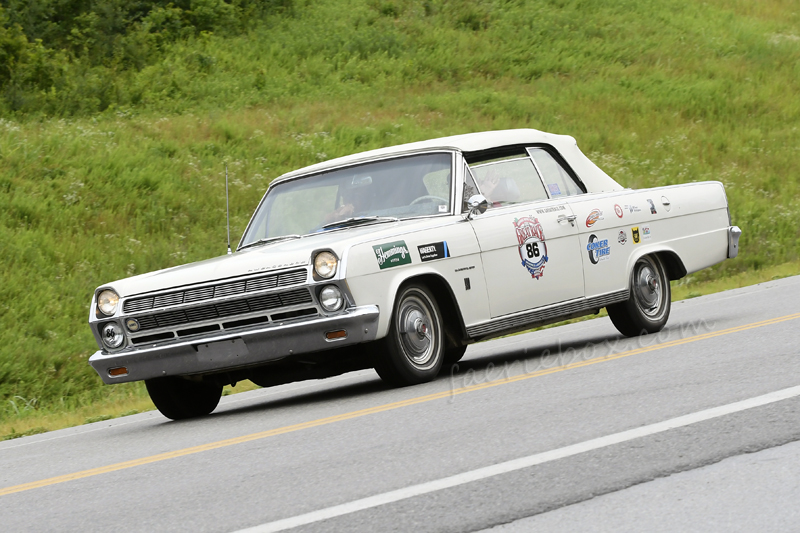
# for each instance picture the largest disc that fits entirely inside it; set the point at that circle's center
(656, 92)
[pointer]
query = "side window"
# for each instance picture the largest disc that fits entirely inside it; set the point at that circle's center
(470, 189)
(509, 182)
(558, 180)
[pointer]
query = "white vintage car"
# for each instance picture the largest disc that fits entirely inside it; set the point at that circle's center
(398, 258)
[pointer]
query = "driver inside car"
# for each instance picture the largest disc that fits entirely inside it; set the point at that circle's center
(353, 200)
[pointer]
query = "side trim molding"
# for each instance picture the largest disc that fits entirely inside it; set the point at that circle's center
(546, 314)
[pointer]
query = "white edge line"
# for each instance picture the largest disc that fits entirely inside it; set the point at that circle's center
(517, 464)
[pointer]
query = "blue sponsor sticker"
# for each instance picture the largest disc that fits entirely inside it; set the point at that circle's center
(598, 249)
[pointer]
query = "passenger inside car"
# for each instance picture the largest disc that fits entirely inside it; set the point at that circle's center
(498, 189)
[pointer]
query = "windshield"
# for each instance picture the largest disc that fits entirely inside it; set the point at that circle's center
(405, 187)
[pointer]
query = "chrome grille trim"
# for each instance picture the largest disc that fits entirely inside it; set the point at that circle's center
(291, 278)
(219, 290)
(267, 301)
(198, 314)
(195, 295)
(546, 313)
(147, 322)
(165, 300)
(140, 304)
(293, 298)
(229, 289)
(262, 283)
(225, 309)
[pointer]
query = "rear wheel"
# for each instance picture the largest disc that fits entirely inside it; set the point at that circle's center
(647, 308)
(413, 350)
(179, 398)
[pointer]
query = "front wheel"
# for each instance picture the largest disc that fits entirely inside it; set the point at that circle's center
(454, 355)
(413, 350)
(647, 308)
(179, 398)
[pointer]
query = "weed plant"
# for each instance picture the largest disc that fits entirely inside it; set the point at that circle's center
(118, 168)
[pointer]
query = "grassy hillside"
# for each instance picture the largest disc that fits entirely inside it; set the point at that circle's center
(117, 168)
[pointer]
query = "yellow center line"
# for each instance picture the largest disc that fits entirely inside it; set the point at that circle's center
(379, 409)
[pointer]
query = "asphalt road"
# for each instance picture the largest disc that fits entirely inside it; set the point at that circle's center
(566, 429)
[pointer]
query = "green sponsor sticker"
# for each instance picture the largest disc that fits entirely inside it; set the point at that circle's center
(392, 254)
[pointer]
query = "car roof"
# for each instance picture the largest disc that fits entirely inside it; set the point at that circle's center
(595, 179)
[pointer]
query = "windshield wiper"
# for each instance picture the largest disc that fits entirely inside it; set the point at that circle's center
(268, 240)
(355, 221)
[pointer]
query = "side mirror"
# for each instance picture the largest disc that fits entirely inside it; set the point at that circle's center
(477, 205)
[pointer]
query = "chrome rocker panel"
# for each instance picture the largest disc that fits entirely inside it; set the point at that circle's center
(248, 347)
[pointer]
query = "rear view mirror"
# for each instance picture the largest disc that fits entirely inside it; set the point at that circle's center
(477, 205)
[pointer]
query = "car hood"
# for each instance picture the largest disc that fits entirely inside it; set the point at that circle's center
(282, 255)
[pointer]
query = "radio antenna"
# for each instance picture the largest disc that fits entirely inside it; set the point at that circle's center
(227, 210)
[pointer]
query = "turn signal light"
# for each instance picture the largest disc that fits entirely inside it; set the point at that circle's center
(118, 371)
(333, 335)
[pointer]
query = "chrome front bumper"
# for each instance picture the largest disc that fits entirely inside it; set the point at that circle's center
(733, 241)
(248, 347)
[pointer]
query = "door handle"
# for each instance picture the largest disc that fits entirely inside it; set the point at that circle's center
(562, 219)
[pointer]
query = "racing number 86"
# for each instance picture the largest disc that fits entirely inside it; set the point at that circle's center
(533, 249)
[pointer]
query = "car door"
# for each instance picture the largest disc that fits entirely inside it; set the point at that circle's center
(529, 241)
(605, 223)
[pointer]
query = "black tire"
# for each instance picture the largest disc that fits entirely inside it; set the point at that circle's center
(647, 308)
(413, 350)
(453, 355)
(179, 398)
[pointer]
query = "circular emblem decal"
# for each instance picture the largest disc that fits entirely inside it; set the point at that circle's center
(532, 247)
(618, 210)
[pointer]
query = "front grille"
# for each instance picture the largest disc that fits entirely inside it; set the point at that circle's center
(165, 300)
(140, 304)
(229, 289)
(269, 281)
(226, 309)
(195, 295)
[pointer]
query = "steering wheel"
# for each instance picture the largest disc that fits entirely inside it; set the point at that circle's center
(428, 198)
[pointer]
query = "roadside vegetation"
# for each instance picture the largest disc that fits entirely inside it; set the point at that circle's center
(117, 120)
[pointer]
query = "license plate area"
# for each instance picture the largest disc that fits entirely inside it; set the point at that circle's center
(222, 351)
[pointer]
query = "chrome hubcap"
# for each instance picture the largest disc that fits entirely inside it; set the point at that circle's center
(416, 331)
(647, 289)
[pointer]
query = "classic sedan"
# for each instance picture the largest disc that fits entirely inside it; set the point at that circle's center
(396, 259)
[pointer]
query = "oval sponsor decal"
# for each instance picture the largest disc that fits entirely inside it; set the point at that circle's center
(618, 210)
(593, 217)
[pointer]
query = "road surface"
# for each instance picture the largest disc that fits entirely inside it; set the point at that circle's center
(566, 429)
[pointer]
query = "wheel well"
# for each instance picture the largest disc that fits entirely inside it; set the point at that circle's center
(455, 332)
(673, 265)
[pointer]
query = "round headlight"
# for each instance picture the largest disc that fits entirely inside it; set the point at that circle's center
(107, 302)
(330, 298)
(325, 265)
(112, 335)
